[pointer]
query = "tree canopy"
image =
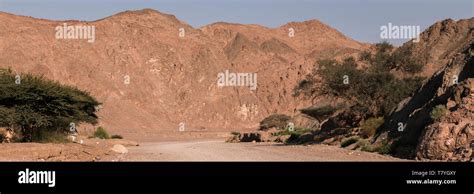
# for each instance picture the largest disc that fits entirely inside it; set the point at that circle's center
(374, 88)
(32, 104)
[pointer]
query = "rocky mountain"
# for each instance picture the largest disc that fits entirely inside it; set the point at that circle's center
(436, 121)
(451, 136)
(153, 72)
(439, 43)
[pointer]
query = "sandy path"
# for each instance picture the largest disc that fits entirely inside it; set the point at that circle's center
(218, 150)
(89, 150)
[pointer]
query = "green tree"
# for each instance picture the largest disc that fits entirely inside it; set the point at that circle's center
(35, 104)
(384, 46)
(377, 91)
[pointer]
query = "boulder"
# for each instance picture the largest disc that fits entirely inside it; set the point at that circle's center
(118, 148)
(450, 137)
(305, 121)
(6, 135)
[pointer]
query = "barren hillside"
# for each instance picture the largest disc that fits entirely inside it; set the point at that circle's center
(173, 78)
(439, 43)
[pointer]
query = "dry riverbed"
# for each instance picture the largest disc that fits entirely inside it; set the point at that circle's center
(218, 150)
(194, 148)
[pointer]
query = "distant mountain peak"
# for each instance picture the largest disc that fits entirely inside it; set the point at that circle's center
(172, 74)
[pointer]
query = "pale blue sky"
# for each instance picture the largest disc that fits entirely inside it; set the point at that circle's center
(358, 19)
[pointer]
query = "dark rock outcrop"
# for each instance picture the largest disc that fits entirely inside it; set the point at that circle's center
(405, 126)
(450, 137)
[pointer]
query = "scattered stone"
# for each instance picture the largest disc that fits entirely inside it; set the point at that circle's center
(353, 146)
(119, 149)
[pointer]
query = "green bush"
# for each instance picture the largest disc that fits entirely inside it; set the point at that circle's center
(50, 136)
(279, 121)
(384, 47)
(367, 148)
(365, 56)
(403, 59)
(321, 112)
(363, 142)
(385, 148)
(326, 62)
(304, 87)
(412, 67)
(349, 141)
(36, 104)
(382, 62)
(377, 91)
(303, 130)
(116, 137)
(333, 76)
(101, 133)
(349, 61)
(438, 111)
(369, 126)
(297, 131)
(373, 88)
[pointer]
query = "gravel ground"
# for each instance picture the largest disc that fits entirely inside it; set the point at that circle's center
(218, 150)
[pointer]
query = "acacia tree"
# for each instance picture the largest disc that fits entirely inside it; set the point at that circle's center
(33, 104)
(378, 92)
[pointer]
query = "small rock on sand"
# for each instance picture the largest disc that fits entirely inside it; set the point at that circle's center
(119, 149)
